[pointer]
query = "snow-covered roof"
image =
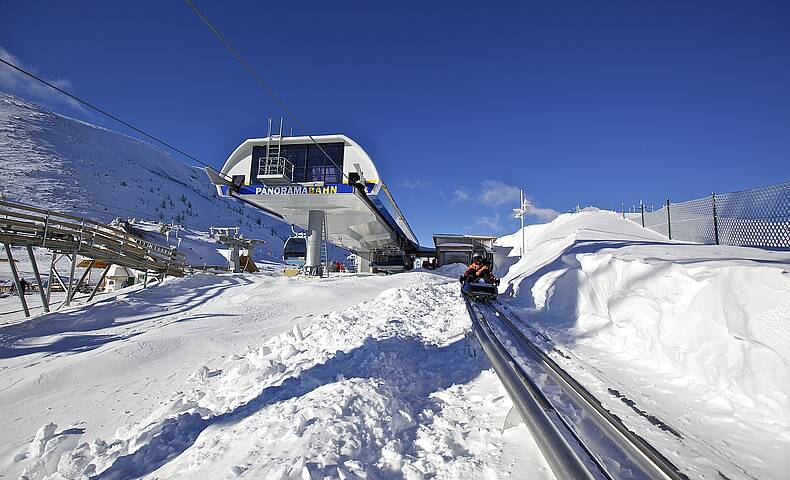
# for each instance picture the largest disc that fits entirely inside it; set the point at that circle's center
(118, 271)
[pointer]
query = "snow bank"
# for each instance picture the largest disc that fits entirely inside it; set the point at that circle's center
(453, 270)
(707, 324)
(723, 329)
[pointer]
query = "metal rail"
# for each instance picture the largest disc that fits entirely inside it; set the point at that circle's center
(646, 454)
(532, 406)
(641, 459)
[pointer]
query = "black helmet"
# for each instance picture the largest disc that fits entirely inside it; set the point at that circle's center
(478, 254)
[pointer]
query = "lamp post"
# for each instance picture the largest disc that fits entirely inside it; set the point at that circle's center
(521, 212)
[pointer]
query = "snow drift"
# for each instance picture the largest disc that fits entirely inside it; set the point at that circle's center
(677, 322)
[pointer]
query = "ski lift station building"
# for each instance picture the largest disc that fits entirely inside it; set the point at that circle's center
(457, 248)
(328, 185)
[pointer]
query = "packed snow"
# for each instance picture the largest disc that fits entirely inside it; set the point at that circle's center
(354, 376)
(696, 335)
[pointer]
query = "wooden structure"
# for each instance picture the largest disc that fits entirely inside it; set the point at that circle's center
(69, 236)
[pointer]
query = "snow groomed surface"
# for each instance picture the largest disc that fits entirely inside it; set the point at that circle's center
(207, 380)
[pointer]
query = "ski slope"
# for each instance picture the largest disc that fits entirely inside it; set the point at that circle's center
(56, 162)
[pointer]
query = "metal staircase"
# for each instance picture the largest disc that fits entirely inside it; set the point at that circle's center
(275, 169)
(324, 249)
(272, 148)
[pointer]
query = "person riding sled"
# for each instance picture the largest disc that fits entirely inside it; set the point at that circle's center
(479, 268)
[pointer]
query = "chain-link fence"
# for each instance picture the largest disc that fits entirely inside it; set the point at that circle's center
(758, 217)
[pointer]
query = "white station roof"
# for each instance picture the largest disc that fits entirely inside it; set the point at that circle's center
(360, 214)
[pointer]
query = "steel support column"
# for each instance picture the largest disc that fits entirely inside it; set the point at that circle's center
(235, 263)
(96, 288)
(16, 279)
(59, 279)
(44, 299)
(315, 228)
(669, 221)
(71, 277)
(82, 278)
(363, 262)
(49, 278)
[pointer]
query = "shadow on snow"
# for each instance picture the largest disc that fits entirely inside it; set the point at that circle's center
(165, 302)
(412, 369)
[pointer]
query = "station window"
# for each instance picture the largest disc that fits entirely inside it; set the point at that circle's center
(310, 163)
(333, 174)
(319, 168)
(296, 154)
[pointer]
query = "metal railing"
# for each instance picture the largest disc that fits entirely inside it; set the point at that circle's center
(276, 167)
(757, 217)
(25, 225)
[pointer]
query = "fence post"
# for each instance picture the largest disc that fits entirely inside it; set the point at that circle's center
(622, 207)
(669, 222)
(715, 219)
(642, 207)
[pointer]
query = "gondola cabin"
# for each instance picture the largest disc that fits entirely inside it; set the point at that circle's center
(295, 250)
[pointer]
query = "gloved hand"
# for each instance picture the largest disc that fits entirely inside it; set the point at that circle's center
(496, 282)
(461, 279)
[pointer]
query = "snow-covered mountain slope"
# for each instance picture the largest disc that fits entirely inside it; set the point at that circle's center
(698, 335)
(252, 376)
(56, 162)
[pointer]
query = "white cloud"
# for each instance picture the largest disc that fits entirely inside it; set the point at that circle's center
(494, 193)
(492, 223)
(19, 84)
(498, 195)
(545, 214)
(460, 195)
(414, 184)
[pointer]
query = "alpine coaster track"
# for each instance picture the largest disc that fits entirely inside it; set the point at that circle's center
(577, 435)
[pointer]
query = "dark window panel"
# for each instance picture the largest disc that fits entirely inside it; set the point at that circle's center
(310, 164)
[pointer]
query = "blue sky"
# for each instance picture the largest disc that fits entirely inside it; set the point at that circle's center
(459, 103)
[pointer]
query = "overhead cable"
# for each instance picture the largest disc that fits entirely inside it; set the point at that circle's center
(104, 112)
(266, 87)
